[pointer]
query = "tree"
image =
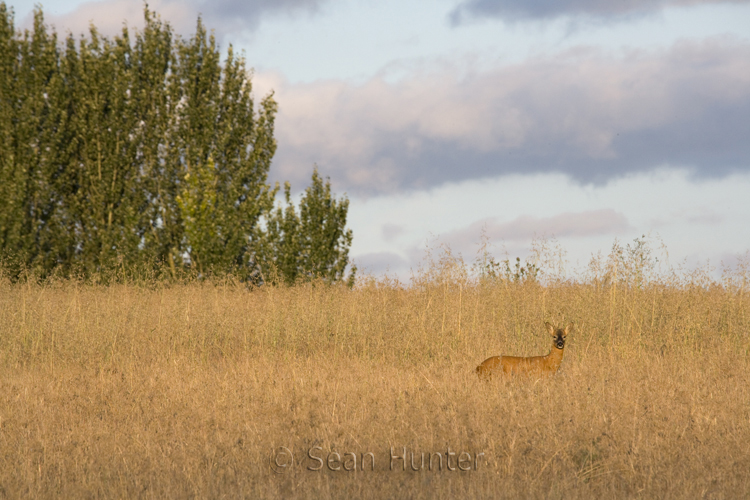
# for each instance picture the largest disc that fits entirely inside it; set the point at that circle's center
(29, 129)
(99, 136)
(144, 153)
(310, 244)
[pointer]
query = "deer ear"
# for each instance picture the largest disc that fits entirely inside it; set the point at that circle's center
(550, 328)
(569, 328)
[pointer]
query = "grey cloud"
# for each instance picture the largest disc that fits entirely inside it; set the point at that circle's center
(586, 114)
(391, 231)
(513, 10)
(224, 16)
(243, 14)
(254, 7)
(581, 224)
(512, 237)
(706, 219)
(379, 263)
(526, 228)
(698, 215)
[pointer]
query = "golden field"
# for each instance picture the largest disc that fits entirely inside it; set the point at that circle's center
(199, 390)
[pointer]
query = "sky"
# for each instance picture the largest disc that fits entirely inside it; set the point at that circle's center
(497, 124)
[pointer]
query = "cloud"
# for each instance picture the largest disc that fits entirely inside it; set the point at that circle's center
(706, 219)
(513, 236)
(584, 113)
(225, 16)
(243, 14)
(526, 228)
(380, 263)
(391, 232)
(514, 10)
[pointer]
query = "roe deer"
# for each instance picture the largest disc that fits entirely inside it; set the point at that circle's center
(537, 365)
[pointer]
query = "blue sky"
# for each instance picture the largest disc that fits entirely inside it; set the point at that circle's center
(577, 121)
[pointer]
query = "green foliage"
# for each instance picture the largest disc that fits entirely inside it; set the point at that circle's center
(199, 211)
(311, 244)
(29, 132)
(135, 153)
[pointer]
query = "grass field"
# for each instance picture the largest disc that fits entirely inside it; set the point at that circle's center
(204, 389)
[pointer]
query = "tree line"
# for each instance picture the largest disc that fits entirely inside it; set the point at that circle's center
(148, 153)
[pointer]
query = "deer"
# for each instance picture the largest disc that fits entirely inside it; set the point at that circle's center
(535, 365)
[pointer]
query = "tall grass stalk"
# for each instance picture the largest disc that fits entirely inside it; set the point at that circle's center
(185, 389)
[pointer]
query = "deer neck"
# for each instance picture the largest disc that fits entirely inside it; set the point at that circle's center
(554, 358)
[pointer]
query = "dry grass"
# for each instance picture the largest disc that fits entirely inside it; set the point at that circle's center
(185, 390)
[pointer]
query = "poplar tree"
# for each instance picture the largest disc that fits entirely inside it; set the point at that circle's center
(309, 244)
(145, 153)
(29, 129)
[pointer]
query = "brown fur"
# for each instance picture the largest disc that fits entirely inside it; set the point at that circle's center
(535, 365)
